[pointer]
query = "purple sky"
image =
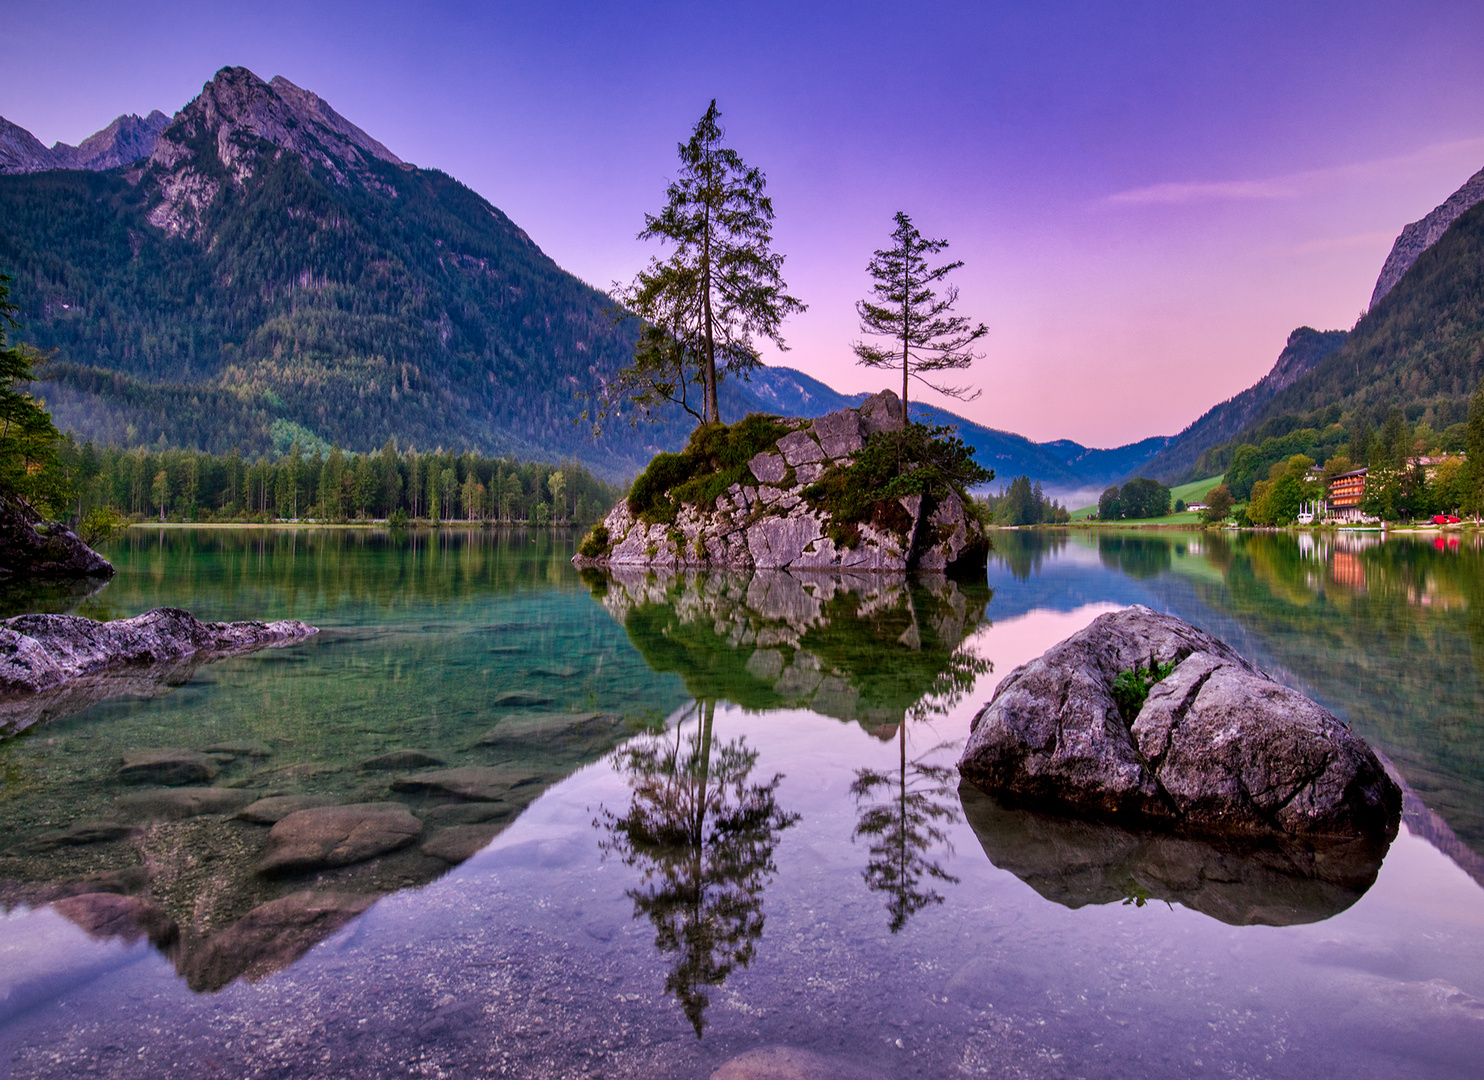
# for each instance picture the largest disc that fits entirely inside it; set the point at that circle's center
(1148, 197)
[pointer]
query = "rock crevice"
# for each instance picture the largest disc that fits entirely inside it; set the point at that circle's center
(1218, 748)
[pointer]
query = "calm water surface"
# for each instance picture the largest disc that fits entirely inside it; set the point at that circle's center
(718, 814)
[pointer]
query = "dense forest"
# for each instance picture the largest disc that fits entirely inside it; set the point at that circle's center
(400, 485)
(1419, 350)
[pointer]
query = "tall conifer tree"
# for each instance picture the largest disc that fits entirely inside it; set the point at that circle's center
(905, 307)
(721, 288)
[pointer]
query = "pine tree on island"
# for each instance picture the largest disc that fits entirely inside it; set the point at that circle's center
(721, 288)
(906, 308)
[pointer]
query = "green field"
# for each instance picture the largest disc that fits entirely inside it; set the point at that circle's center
(1194, 491)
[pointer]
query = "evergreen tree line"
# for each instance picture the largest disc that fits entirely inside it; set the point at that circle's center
(394, 484)
(1024, 503)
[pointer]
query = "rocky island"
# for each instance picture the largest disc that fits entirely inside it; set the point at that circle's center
(856, 490)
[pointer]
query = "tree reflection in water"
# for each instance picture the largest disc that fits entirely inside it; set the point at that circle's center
(905, 827)
(703, 838)
(904, 811)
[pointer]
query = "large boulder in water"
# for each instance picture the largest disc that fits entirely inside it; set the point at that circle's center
(32, 547)
(1218, 748)
(38, 652)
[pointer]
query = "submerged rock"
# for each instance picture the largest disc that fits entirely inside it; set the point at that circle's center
(792, 1063)
(275, 808)
(38, 652)
(397, 760)
(479, 783)
(167, 765)
(271, 936)
(1242, 881)
(1218, 748)
(456, 843)
(173, 804)
(330, 836)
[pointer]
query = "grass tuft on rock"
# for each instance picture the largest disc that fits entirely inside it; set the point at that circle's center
(714, 459)
(1131, 688)
(918, 460)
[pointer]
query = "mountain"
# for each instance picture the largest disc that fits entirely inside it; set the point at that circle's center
(1306, 347)
(126, 140)
(271, 272)
(1421, 235)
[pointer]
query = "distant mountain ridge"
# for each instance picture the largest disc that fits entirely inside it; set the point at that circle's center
(128, 139)
(1421, 235)
(259, 265)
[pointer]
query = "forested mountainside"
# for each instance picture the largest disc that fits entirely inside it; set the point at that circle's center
(1419, 348)
(270, 273)
(1177, 461)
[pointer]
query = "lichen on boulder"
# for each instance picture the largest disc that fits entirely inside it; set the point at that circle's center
(770, 493)
(1217, 748)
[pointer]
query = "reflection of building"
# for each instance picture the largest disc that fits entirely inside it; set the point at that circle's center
(1346, 490)
(1348, 570)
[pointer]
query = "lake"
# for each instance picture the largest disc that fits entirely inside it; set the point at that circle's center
(669, 823)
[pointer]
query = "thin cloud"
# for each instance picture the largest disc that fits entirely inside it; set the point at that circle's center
(1221, 190)
(1293, 186)
(1340, 243)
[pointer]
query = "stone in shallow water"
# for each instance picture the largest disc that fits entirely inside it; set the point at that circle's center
(330, 836)
(271, 936)
(792, 1063)
(239, 749)
(521, 699)
(275, 808)
(475, 813)
(80, 833)
(167, 765)
(172, 804)
(396, 760)
(555, 671)
(473, 782)
(1217, 749)
(535, 727)
(456, 843)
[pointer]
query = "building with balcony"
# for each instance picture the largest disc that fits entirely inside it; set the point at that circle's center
(1346, 490)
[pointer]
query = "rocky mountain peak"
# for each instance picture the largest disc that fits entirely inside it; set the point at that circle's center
(127, 139)
(240, 115)
(1421, 235)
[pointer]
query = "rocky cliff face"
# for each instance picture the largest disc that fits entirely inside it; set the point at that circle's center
(128, 139)
(771, 523)
(238, 122)
(1421, 235)
(33, 548)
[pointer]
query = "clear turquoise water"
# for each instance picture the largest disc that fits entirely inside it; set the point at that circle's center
(761, 843)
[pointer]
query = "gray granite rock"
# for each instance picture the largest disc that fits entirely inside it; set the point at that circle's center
(38, 652)
(769, 468)
(456, 843)
(1218, 748)
(775, 525)
(33, 548)
(330, 836)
